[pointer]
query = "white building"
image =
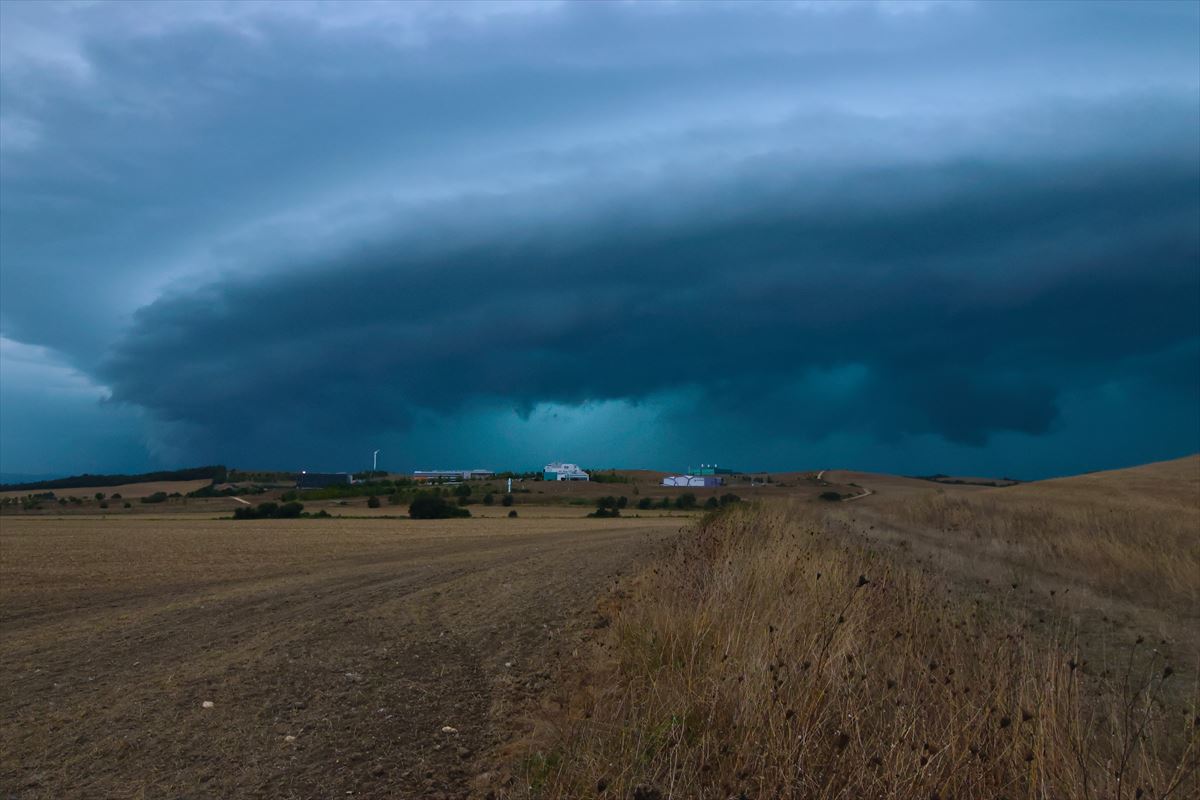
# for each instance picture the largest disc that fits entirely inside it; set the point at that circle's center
(692, 480)
(563, 472)
(453, 474)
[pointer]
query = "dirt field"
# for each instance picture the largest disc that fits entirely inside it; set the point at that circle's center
(128, 491)
(335, 653)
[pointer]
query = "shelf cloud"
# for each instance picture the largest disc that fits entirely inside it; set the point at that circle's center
(929, 234)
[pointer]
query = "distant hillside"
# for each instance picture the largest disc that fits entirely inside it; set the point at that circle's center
(1164, 485)
(21, 478)
(215, 473)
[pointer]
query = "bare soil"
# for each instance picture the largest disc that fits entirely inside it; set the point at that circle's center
(365, 658)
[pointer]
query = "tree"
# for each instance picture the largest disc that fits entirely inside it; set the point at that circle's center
(99, 495)
(269, 511)
(685, 501)
(646, 503)
(712, 503)
(606, 507)
(289, 511)
(622, 501)
(427, 505)
(488, 499)
(373, 502)
(507, 501)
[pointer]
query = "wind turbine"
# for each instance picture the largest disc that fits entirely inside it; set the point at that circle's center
(374, 462)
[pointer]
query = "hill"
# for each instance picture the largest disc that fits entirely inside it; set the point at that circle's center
(214, 473)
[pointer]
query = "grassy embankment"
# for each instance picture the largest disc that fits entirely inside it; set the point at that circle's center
(1133, 533)
(765, 658)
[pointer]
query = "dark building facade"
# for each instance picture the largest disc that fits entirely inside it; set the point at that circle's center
(319, 480)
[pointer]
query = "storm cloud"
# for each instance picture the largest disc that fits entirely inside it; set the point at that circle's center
(285, 235)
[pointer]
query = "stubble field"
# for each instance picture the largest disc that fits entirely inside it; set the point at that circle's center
(334, 653)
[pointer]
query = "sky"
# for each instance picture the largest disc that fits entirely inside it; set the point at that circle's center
(911, 237)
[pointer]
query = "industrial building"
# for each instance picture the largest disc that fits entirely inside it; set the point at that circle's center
(698, 481)
(453, 474)
(320, 480)
(709, 469)
(564, 472)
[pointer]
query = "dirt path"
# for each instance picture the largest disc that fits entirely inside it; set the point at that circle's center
(334, 654)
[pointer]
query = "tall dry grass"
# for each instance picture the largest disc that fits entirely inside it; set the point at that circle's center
(1150, 554)
(765, 659)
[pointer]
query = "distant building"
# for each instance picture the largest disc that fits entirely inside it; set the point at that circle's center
(453, 474)
(699, 481)
(563, 472)
(320, 480)
(709, 469)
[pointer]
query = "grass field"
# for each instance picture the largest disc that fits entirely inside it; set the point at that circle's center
(837, 651)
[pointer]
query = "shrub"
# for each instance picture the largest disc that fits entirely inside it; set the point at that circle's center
(507, 501)
(289, 510)
(512, 513)
(685, 501)
(99, 495)
(830, 497)
(269, 511)
(608, 507)
(395, 498)
(622, 501)
(605, 512)
(646, 503)
(157, 497)
(712, 503)
(488, 499)
(373, 502)
(127, 504)
(103, 504)
(428, 505)
(115, 496)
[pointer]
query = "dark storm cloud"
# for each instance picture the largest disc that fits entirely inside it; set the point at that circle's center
(925, 230)
(970, 296)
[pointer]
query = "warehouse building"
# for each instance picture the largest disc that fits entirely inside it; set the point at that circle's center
(453, 474)
(696, 481)
(564, 472)
(320, 480)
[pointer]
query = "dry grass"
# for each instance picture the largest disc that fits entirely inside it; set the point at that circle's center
(766, 658)
(1133, 533)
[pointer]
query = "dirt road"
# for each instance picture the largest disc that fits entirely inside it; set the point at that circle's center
(335, 654)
